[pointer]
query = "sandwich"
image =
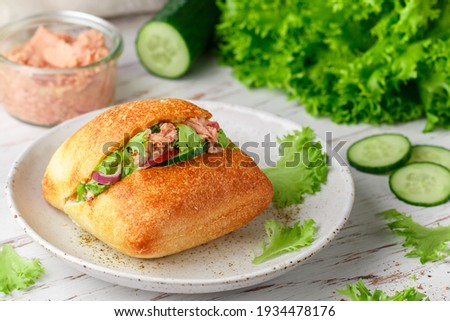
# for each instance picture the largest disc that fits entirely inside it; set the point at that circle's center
(155, 177)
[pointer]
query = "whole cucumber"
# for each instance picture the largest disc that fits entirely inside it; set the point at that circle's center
(169, 43)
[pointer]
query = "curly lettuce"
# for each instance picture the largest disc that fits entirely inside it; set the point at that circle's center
(428, 243)
(378, 61)
(17, 272)
(301, 169)
(359, 292)
(283, 239)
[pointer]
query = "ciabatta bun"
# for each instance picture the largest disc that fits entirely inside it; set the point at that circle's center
(160, 210)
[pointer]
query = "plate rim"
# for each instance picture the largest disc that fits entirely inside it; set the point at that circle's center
(184, 282)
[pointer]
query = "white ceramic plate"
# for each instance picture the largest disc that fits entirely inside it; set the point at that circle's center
(223, 264)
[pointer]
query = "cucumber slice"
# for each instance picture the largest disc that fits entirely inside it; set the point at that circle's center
(184, 157)
(421, 184)
(430, 153)
(170, 42)
(162, 50)
(379, 154)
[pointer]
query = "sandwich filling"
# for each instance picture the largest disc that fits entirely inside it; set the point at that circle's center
(162, 144)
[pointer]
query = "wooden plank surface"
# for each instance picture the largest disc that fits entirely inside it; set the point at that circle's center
(363, 249)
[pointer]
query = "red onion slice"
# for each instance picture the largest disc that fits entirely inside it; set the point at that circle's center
(105, 179)
(213, 124)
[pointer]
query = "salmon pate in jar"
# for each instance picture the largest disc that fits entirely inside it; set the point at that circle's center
(57, 66)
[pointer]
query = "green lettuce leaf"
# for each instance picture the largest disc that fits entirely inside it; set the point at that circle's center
(222, 138)
(81, 192)
(128, 165)
(17, 272)
(377, 61)
(188, 139)
(96, 188)
(359, 292)
(283, 239)
(138, 143)
(300, 170)
(429, 244)
(110, 163)
(434, 84)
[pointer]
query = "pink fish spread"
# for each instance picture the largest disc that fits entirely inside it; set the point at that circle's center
(47, 98)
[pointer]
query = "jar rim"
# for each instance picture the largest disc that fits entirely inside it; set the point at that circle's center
(67, 16)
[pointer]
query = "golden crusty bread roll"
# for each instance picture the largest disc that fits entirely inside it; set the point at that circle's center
(161, 210)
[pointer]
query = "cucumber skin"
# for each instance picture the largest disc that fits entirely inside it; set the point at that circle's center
(431, 146)
(381, 169)
(184, 157)
(415, 203)
(194, 20)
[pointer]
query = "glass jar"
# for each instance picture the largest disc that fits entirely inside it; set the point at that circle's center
(48, 96)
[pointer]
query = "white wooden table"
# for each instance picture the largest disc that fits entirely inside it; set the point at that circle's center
(363, 249)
